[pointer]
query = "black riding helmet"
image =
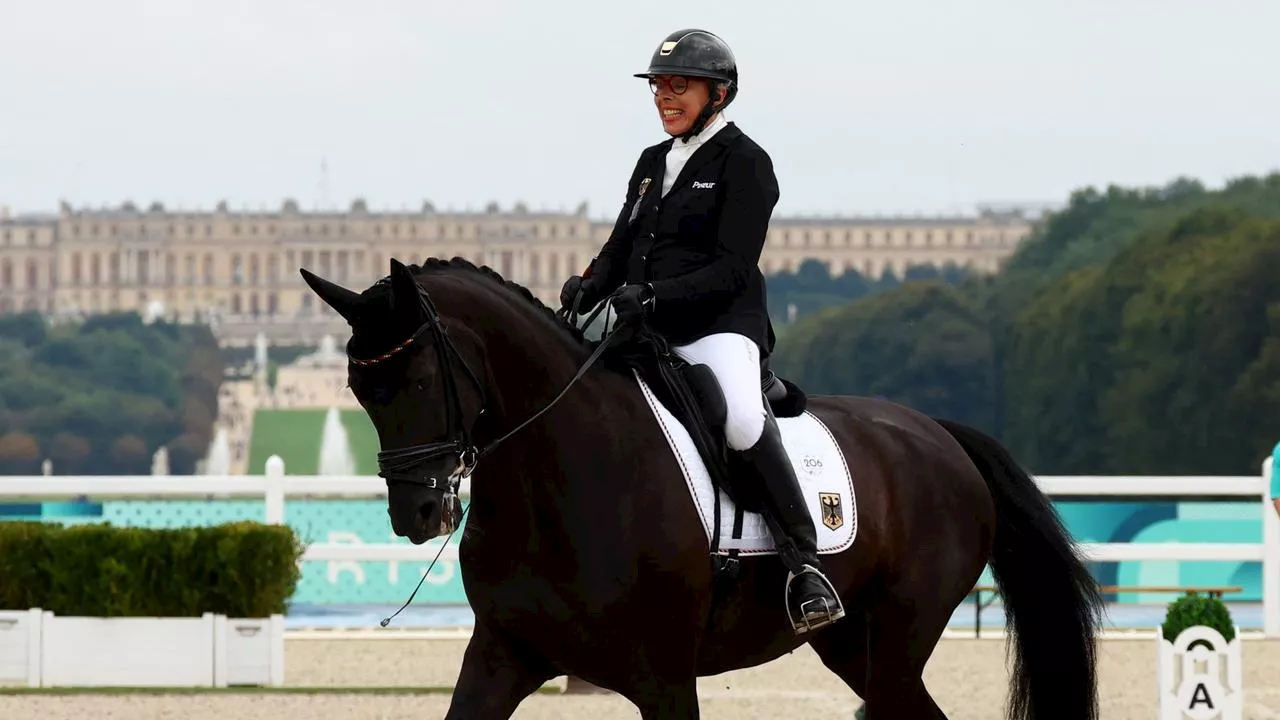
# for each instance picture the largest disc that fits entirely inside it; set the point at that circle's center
(696, 53)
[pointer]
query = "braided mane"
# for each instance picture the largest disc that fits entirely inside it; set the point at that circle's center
(433, 264)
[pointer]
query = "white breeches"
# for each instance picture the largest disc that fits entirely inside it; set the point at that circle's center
(735, 361)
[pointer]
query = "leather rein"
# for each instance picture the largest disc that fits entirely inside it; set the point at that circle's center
(405, 465)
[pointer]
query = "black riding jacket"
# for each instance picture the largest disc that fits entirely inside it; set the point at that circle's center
(699, 247)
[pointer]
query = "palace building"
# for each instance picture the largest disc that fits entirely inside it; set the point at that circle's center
(238, 269)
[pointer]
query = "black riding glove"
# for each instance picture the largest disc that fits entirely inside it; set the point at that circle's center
(631, 301)
(571, 288)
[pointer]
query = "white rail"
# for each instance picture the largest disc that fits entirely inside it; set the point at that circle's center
(274, 487)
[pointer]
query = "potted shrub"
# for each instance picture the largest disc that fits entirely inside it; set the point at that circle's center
(1193, 610)
(1199, 662)
(147, 607)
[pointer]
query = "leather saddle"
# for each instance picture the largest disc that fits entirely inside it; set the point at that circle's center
(691, 393)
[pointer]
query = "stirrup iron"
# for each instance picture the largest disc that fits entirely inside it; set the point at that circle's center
(804, 624)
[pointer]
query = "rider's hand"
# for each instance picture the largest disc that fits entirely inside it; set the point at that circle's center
(570, 291)
(631, 301)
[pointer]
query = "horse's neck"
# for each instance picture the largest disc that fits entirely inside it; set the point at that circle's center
(529, 364)
(531, 479)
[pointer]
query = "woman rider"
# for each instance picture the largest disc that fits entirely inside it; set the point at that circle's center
(686, 250)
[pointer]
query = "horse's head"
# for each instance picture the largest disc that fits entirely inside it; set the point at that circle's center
(423, 389)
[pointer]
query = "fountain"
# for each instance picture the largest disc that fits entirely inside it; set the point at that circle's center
(219, 459)
(335, 451)
(160, 462)
(328, 355)
(260, 352)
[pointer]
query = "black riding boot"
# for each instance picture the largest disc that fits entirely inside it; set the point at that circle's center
(812, 601)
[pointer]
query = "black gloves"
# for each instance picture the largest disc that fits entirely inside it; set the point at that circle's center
(631, 301)
(570, 291)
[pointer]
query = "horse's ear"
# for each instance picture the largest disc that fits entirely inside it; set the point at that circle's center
(345, 302)
(404, 290)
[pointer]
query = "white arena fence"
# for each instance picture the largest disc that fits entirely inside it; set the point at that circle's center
(275, 486)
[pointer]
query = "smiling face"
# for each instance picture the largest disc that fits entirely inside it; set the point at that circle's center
(679, 99)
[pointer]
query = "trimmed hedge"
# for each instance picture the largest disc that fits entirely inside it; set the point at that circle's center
(243, 569)
(1191, 610)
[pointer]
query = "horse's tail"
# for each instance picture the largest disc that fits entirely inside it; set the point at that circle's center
(1052, 603)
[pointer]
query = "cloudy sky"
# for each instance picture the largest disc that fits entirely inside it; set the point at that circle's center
(866, 107)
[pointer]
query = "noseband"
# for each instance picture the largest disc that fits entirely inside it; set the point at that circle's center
(407, 465)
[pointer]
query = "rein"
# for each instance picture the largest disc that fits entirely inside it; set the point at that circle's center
(401, 465)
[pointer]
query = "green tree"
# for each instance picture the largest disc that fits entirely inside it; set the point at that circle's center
(22, 389)
(1196, 322)
(1134, 331)
(91, 380)
(19, 454)
(923, 346)
(1057, 354)
(129, 456)
(27, 328)
(69, 453)
(185, 451)
(812, 287)
(1135, 367)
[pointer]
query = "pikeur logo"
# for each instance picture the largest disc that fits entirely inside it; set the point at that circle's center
(703, 185)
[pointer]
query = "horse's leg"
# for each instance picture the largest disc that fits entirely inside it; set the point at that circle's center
(673, 701)
(902, 638)
(843, 649)
(495, 678)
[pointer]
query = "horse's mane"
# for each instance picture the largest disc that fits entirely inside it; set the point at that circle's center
(435, 265)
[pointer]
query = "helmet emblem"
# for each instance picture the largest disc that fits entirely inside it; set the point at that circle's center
(668, 46)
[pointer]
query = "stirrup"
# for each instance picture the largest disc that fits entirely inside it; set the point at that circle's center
(817, 616)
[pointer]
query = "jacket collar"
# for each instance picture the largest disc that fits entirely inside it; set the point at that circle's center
(707, 133)
(707, 150)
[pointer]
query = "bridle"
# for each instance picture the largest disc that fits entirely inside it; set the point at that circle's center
(407, 465)
(404, 465)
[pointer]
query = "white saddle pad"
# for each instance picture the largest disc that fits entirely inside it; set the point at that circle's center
(824, 478)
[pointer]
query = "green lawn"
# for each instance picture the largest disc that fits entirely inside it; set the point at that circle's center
(294, 435)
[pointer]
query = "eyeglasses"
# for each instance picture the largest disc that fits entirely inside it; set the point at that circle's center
(677, 83)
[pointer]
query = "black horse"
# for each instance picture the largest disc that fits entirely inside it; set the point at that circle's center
(584, 554)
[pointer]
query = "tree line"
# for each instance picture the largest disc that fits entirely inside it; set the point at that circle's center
(811, 287)
(1137, 331)
(99, 397)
